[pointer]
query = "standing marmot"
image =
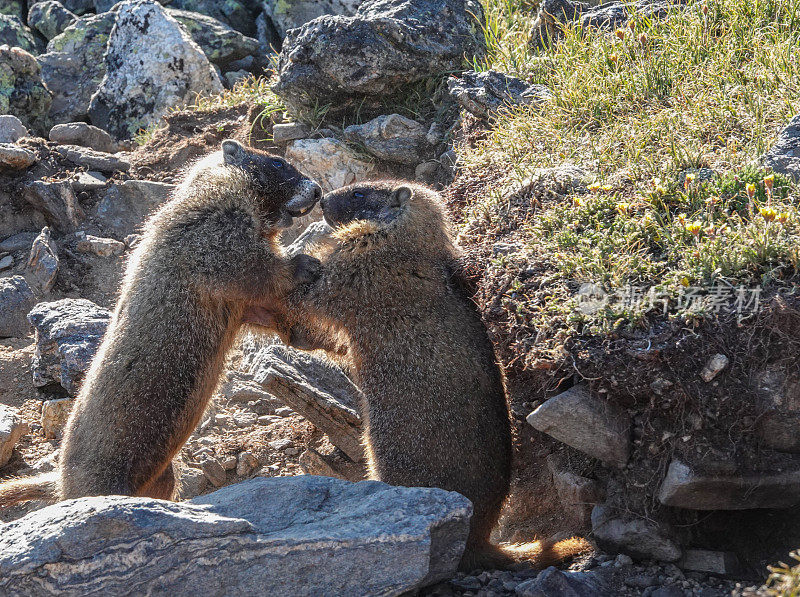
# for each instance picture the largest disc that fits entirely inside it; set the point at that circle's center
(206, 255)
(435, 410)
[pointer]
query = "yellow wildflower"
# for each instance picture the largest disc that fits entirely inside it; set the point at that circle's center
(623, 207)
(694, 228)
(620, 33)
(751, 190)
(606, 188)
(783, 217)
(769, 181)
(595, 186)
(767, 213)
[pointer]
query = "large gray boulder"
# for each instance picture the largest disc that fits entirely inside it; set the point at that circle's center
(50, 18)
(230, 12)
(281, 536)
(290, 15)
(344, 61)
(143, 79)
(22, 90)
(73, 66)
(14, 33)
(16, 299)
(391, 137)
(68, 333)
(220, 43)
(126, 204)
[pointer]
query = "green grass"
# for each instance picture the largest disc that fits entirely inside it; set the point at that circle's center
(707, 88)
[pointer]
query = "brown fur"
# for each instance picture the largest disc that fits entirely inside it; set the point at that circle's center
(205, 256)
(435, 408)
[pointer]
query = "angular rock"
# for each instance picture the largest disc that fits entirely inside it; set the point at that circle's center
(11, 129)
(347, 60)
(22, 90)
(591, 425)
(141, 82)
(234, 77)
(16, 299)
(6, 262)
(79, 7)
(552, 582)
(54, 416)
(73, 66)
(18, 242)
(50, 18)
(126, 204)
(634, 536)
(784, 155)
(553, 14)
(12, 427)
(713, 368)
(483, 94)
(290, 131)
(719, 563)
(13, 157)
(336, 465)
(192, 483)
(315, 389)
(246, 463)
(695, 490)
(328, 161)
(220, 43)
(68, 333)
(57, 202)
(87, 181)
(578, 495)
(15, 34)
(42, 266)
(213, 471)
(271, 535)
(290, 15)
(93, 160)
(102, 247)
(393, 138)
(84, 135)
(15, 8)
(230, 12)
(779, 401)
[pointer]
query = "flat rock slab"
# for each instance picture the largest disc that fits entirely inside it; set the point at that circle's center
(483, 94)
(92, 159)
(591, 425)
(635, 536)
(315, 389)
(684, 487)
(68, 333)
(281, 536)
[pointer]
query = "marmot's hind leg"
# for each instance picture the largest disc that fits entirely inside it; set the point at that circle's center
(163, 487)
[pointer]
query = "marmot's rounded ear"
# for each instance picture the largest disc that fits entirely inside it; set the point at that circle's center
(401, 195)
(233, 152)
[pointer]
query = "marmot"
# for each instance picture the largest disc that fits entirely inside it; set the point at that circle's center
(435, 409)
(205, 255)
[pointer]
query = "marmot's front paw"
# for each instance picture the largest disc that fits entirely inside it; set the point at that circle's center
(305, 269)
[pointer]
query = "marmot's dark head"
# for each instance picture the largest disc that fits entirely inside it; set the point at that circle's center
(413, 215)
(285, 191)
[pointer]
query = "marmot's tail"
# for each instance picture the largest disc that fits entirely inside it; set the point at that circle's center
(25, 489)
(537, 554)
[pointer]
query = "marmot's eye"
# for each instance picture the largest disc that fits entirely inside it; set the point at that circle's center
(358, 195)
(277, 163)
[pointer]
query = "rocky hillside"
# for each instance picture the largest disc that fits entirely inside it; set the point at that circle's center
(623, 179)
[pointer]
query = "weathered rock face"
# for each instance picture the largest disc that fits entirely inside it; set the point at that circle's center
(16, 299)
(483, 94)
(684, 487)
(318, 391)
(14, 8)
(152, 65)
(68, 333)
(14, 33)
(328, 161)
(591, 425)
(91, 159)
(11, 129)
(22, 91)
(230, 12)
(784, 155)
(552, 582)
(271, 534)
(12, 427)
(13, 157)
(393, 138)
(126, 204)
(50, 18)
(385, 44)
(220, 43)
(289, 15)
(42, 266)
(73, 66)
(83, 134)
(634, 536)
(54, 416)
(56, 201)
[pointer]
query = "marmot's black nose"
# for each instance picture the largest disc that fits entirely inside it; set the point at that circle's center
(317, 192)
